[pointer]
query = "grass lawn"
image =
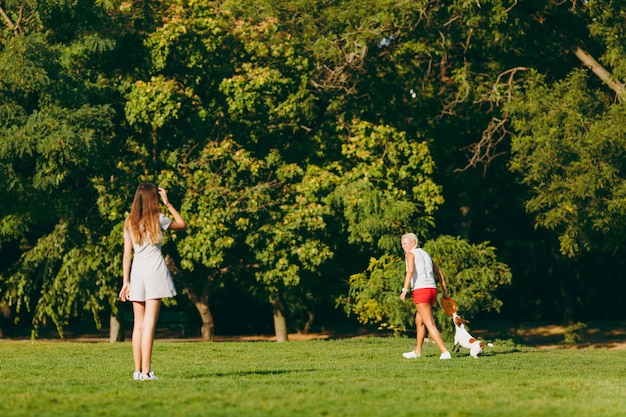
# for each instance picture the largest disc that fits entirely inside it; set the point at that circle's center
(349, 377)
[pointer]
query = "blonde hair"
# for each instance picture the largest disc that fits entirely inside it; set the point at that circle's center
(143, 222)
(411, 237)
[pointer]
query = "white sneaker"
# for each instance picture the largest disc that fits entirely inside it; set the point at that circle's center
(136, 375)
(411, 355)
(445, 355)
(150, 376)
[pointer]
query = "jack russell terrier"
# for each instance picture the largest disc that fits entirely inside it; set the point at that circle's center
(462, 338)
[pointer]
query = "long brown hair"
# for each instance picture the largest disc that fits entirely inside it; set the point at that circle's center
(143, 221)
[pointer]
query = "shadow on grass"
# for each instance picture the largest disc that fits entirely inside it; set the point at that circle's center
(596, 334)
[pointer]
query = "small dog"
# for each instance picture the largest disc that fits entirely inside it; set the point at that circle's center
(462, 338)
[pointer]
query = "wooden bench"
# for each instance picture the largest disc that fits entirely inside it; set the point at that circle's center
(167, 319)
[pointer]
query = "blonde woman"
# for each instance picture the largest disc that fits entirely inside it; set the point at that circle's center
(147, 280)
(420, 275)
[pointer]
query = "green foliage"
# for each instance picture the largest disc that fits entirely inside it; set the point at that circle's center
(385, 185)
(374, 296)
(264, 118)
(153, 103)
(570, 150)
(268, 99)
(22, 63)
(54, 142)
(59, 277)
(473, 276)
(303, 137)
(606, 24)
(263, 207)
(574, 333)
(473, 272)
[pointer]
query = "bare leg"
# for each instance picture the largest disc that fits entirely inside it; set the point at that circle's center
(147, 335)
(138, 312)
(425, 311)
(421, 333)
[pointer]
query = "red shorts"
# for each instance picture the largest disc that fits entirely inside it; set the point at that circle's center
(425, 295)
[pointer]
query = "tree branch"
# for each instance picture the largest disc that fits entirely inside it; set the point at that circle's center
(486, 149)
(15, 27)
(601, 72)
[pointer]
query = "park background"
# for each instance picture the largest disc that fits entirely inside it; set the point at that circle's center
(300, 139)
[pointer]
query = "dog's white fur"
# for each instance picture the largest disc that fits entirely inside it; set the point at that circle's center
(462, 338)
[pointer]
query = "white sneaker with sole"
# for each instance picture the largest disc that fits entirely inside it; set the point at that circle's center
(150, 376)
(411, 355)
(136, 375)
(445, 355)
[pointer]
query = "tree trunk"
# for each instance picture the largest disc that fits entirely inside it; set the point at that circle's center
(567, 300)
(309, 322)
(567, 275)
(5, 319)
(207, 330)
(280, 324)
(208, 326)
(116, 329)
(202, 305)
(116, 324)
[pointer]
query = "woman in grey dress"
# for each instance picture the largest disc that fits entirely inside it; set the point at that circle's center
(147, 280)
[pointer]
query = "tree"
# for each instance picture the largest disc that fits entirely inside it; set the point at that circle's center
(569, 150)
(217, 84)
(384, 185)
(53, 120)
(255, 218)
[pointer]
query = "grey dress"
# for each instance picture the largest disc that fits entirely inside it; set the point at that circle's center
(149, 276)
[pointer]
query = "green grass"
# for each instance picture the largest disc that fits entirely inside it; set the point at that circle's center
(351, 377)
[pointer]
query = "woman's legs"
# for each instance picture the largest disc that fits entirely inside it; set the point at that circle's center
(138, 313)
(146, 314)
(147, 336)
(424, 310)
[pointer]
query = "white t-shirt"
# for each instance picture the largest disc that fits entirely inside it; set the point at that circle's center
(423, 274)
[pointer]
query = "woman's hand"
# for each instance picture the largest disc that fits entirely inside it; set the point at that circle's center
(163, 195)
(125, 292)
